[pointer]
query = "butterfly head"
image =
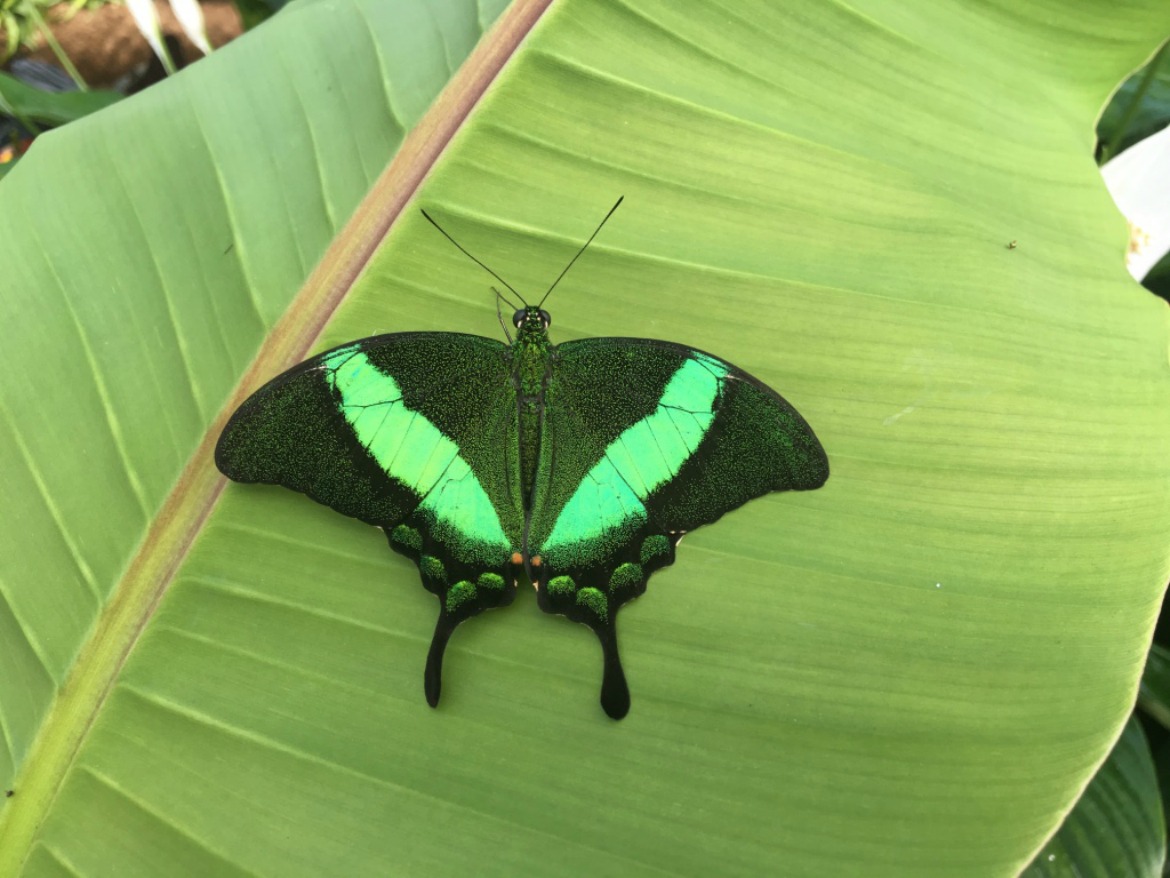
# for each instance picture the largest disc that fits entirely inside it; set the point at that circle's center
(531, 318)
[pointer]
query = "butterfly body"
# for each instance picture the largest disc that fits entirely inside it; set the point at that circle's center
(531, 358)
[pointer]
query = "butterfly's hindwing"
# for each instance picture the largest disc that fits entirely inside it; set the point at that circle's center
(682, 438)
(415, 433)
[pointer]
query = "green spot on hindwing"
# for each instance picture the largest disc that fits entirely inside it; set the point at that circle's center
(490, 581)
(461, 593)
(432, 569)
(626, 576)
(655, 547)
(595, 600)
(406, 536)
(562, 587)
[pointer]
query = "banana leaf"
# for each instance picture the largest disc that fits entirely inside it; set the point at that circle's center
(888, 212)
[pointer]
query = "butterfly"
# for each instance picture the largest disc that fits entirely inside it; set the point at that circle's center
(576, 466)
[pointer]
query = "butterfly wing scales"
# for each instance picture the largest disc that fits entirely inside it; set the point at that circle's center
(642, 441)
(415, 433)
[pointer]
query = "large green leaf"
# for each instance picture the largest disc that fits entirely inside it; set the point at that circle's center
(1117, 829)
(911, 671)
(1154, 692)
(147, 253)
(33, 105)
(1140, 108)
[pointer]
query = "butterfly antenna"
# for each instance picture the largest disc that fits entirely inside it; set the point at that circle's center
(500, 314)
(582, 250)
(505, 299)
(463, 250)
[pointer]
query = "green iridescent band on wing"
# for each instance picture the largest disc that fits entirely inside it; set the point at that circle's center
(410, 449)
(644, 457)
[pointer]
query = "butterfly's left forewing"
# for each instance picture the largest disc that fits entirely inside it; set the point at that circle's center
(415, 433)
(642, 441)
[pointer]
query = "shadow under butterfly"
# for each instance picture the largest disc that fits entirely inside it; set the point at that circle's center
(578, 465)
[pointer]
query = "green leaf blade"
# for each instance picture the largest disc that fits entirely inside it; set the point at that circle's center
(1117, 828)
(185, 230)
(869, 677)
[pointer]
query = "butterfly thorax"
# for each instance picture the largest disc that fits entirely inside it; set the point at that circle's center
(531, 356)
